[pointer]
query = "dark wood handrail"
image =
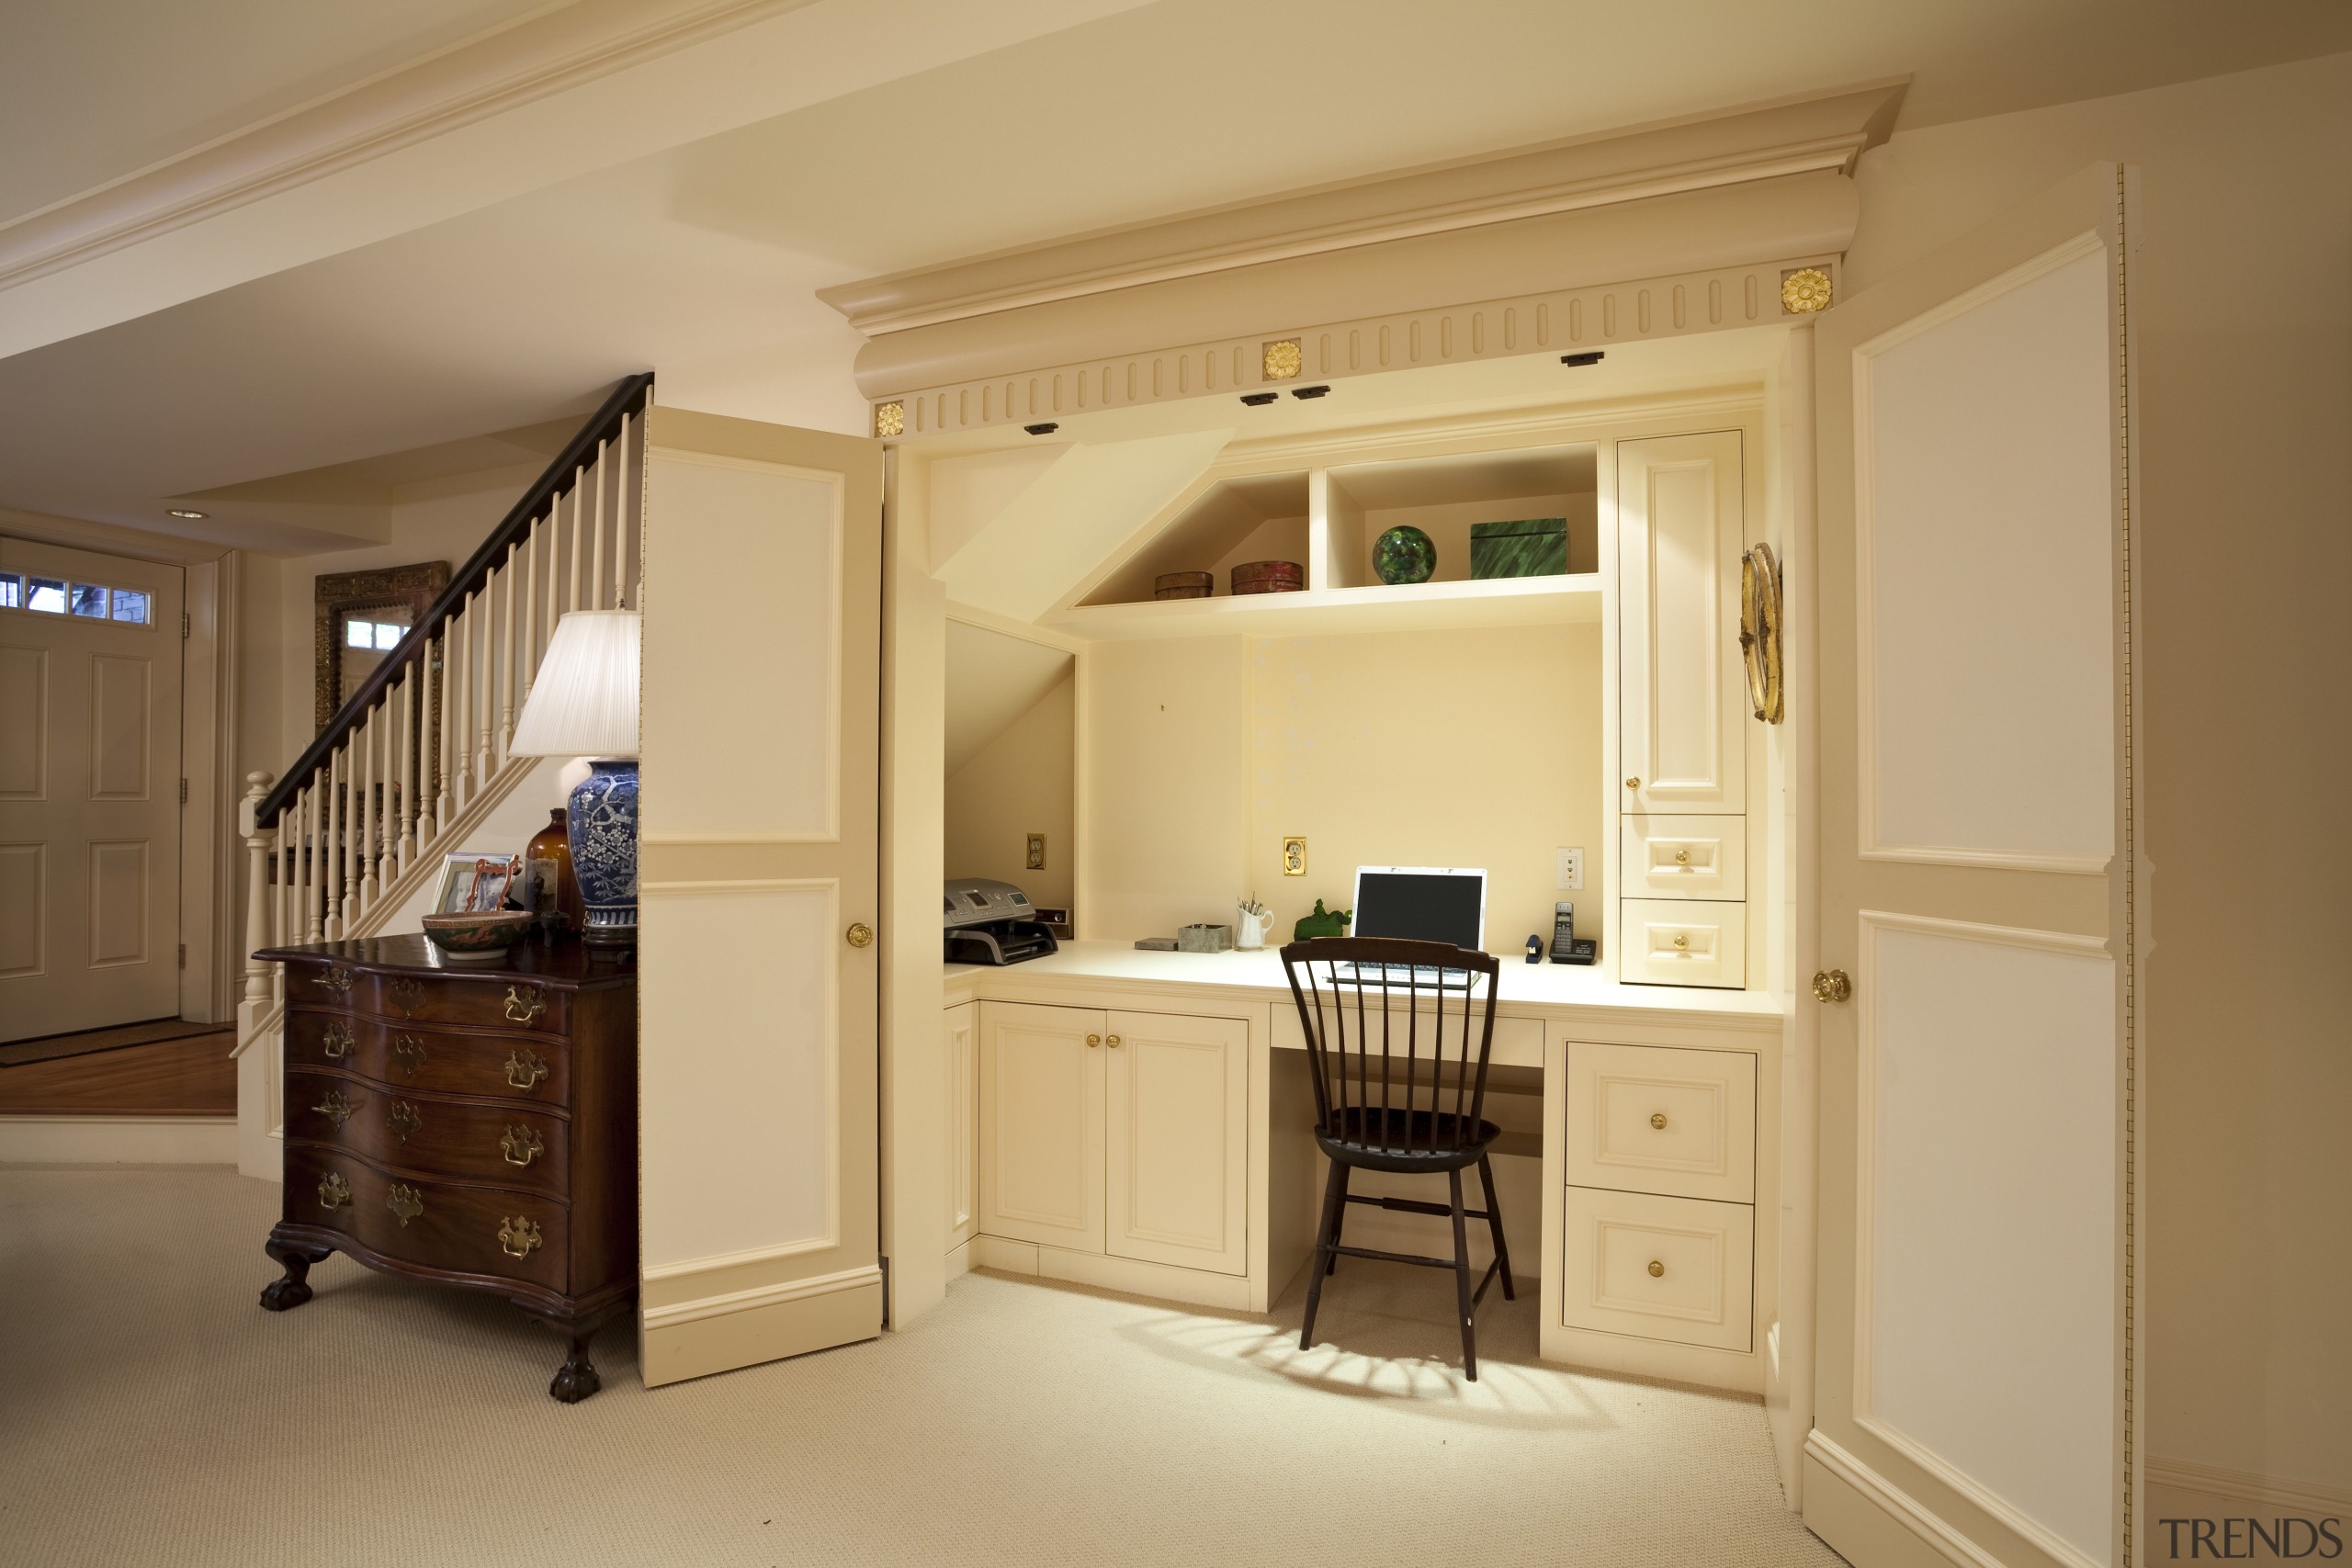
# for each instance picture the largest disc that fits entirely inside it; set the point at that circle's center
(629, 398)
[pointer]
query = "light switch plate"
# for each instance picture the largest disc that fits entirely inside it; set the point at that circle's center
(1571, 875)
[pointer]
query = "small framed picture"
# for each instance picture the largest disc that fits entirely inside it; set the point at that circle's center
(473, 883)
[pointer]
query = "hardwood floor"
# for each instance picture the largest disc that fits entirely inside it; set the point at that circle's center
(173, 1078)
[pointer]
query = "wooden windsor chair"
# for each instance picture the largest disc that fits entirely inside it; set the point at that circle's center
(1398, 1037)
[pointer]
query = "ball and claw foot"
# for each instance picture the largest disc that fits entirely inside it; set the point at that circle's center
(284, 1295)
(576, 1379)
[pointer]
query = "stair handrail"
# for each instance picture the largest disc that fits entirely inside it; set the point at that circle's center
(626, 399)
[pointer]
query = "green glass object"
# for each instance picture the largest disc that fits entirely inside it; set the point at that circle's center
(1403, 555)
(1533, 546)
(1323, 923)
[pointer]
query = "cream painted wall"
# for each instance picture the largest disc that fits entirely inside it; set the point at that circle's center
(1022, 781)
(2241, 301)
(1470, 747)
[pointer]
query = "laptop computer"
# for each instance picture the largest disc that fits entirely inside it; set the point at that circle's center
(1422, 903)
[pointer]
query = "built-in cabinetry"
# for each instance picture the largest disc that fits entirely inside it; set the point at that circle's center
(1681, 727)
(960, 1034)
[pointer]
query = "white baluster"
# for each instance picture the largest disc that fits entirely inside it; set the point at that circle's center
(314, 927)
(532, 546)
(572, 596)
(363, 811)
(506, 665)
(388, 808)
(597, 539)
(338, 820)
(461, 693)
(485, 694)
(257, 848)
(408, 767)
(438, 712)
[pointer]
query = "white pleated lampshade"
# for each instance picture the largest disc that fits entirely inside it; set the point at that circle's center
(584, 702)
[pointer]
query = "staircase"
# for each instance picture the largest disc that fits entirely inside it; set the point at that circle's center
(418, 757)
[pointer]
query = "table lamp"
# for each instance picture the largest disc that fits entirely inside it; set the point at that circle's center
(583, 704)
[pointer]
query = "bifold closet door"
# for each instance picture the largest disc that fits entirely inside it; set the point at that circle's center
(1977, 1396)
(759, 971)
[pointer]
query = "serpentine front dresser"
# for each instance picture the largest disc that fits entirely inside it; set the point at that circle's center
(468, 1125)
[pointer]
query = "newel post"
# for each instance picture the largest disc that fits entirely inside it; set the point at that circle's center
(257, 892)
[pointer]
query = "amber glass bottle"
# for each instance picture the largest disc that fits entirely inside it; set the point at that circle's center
(555, 892)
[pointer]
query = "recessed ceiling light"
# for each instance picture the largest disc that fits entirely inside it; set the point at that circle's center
(191, 516)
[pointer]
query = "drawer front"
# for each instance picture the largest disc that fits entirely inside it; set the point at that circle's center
(455, 1138)
(1646, 1119)
(1677, 1268)
(402, 1056)
(1519, 1042)
(483, 1002)
(1685, 857)
(464, 1230)
(1669, 941)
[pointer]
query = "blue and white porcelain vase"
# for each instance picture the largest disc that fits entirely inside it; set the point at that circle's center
(602, 823)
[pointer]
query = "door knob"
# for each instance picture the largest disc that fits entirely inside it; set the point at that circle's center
(861, 935)
(1831, 986)
(1633, 784)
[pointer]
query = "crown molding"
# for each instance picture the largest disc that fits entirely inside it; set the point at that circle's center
(546, 52)
(1801, 135)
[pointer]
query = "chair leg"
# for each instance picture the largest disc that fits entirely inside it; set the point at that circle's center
(1339, 1218)
(1326, 1236)
(1462, 1282)
(1494, 1221)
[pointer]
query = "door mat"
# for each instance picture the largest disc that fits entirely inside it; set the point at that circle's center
(50, 1048)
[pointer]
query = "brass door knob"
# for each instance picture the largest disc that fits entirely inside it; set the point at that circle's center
(1658, 1120)
(1658, 1269)
(861, 935)
(1111, 1041)
(1633, 784)
(1831, 986)
(1093, 1041)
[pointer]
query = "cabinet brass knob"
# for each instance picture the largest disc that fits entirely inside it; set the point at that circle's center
(1682, 857)
(1094, 1039)
(1111, 1041)
(1831, 986)
(1658, 1120)
(861, 935)
(1658, 1269)
(1633, 784)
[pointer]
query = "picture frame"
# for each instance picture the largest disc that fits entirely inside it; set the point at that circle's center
(476, 881)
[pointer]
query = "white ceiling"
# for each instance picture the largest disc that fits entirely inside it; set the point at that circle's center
(701, 261)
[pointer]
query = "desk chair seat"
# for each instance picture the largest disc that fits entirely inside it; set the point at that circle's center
(1400, 1071)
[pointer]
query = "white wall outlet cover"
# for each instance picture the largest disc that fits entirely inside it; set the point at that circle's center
(1571, 869)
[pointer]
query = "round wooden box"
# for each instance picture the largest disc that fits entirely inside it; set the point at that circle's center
(1269, 577)
(1183, 585)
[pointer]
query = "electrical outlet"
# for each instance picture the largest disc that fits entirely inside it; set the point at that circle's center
(1571, 877)
(1037, 852)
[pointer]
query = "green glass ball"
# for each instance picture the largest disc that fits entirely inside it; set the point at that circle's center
(1403, 555)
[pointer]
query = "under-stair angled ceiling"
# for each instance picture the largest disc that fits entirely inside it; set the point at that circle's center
(248, 240)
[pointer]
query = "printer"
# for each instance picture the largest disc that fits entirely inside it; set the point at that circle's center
(991, 922)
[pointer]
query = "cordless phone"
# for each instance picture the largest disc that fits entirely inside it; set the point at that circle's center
(1566, 946)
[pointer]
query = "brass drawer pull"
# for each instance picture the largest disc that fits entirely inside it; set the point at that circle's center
(518, 1238)
(406, 994)
(525, 1069)
(336, 1043)
(336, 1108)
(405, 1203)
(408, 1054)
(1682, 857)
(334, 1192)
(403, 1119)
(520, 1145)
(1682, 938)
(1658, 1269)
(1658, 1120)
(524, 1003)
(339, 982)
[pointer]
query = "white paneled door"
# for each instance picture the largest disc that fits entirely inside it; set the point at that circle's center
(1977, 1397)
(89, 790)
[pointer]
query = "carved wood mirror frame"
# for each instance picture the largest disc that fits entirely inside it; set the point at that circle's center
(338, 594)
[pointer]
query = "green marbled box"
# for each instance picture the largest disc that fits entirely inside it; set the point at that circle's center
(1533, 546)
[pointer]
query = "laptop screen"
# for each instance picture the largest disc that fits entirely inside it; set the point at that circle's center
(1423, 905)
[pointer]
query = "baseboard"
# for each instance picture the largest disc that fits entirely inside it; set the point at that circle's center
(1871, 1522)
(959, 1258)
(2246, 1489)
(695, 1338)
(1195, 1287)
(118, 1140)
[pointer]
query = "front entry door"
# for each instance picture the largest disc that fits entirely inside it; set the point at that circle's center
(759, 969)
(89, 790)
(1977, 1388)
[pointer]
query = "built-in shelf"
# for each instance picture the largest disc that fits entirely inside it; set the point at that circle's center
(1493, 602)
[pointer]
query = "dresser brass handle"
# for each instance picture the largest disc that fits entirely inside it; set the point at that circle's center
(404, 1201)
(524, 1003)
(408, 1054)
(338, 981)
(520, 1145)
(861, 935)
(1658, 1120)
(518, 1238)
(336, 1043)
(334, 1192)
(406, 994)
(1831, 986)
(336, 1108)
(1682, 857)
(1658, 1269)
(1094, 1039)
(526, 1068)
(403, 1119)
(1111, 1041)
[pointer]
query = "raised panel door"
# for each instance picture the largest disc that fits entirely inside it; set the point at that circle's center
(1176, 1145)
(1041, 1125)
(1680, 531)
(961, 1034)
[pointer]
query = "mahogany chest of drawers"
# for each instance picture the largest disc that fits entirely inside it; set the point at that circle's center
(472, 1125)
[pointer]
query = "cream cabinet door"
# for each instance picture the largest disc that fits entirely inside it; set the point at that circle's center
(1679, 535)
(960, 1033)
(1041, 1125)
(1177, 1144)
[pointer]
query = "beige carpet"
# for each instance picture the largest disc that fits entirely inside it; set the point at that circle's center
(150, 1412)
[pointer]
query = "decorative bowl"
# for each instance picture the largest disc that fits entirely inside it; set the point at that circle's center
(1404, 555)
(479, 938)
